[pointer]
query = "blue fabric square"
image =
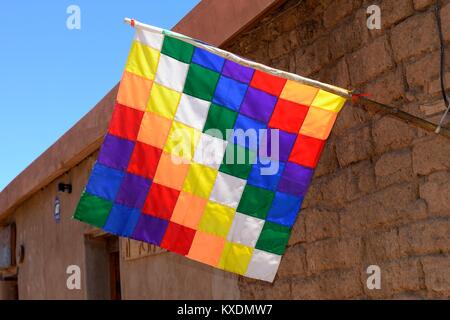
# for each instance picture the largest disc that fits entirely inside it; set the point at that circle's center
(266, 175)
(208, 60)
(285, 208)
(104, 182)
(229, 93)
(122, 220)
(247, 132)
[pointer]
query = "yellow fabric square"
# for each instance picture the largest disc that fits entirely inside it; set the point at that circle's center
(142, 60)
(298, 93)
(200, 180)
(216, 219)
(235, 257)
(163, 101)
(182, 140)
(318, 123)
(328, 101)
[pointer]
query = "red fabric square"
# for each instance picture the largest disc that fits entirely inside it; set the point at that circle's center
(178, 238)
(268, 83)
(144, 160)
(125, 122)
(306, 151)
(288, 116)
(160, 201)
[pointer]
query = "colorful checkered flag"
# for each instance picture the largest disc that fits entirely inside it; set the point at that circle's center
(207, 154)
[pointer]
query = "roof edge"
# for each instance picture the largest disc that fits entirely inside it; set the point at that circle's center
(217, 21)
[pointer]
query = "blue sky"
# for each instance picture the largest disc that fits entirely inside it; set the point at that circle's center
(51, 76)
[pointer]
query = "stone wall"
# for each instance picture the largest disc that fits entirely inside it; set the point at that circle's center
(382, 188)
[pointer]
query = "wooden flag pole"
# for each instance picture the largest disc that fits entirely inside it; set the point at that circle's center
(388, 110)
(405, 117)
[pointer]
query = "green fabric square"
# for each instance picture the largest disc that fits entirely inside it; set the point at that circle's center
(93, 210)
(237, 161)
(220, 119)
(177, 49)
(201, 82)
(273, 238)
(255, 201)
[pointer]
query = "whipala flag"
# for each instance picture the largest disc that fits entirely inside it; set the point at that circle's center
(207, 156)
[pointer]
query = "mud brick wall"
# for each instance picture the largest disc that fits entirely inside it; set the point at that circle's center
(381, 193)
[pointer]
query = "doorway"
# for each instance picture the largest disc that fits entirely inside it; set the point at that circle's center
(102, 267)
(114, 269)
(9, 289)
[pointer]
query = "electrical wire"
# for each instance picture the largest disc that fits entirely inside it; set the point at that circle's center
(442, 71)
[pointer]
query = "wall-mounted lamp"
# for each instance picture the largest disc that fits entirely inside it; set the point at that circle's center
(65, 187)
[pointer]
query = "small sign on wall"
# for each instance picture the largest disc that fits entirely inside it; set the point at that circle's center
(57, 210)
(132, 249)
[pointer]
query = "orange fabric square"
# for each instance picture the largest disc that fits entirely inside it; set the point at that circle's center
(206, 248)
(299, 93)
(318, 123)
(154, 130)
(134, 91)
(188, 210)
(171, 171)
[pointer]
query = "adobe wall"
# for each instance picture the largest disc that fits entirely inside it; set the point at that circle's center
(381, 191)
(171, 276)
(51, 247)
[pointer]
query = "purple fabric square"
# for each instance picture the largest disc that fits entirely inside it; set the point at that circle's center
(285, 143)
(295, 179)
(133, 191)
(115, 152)
(237, 72)
(150, 229)
(258, 104)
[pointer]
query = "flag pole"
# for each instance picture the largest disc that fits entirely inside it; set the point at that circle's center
(347, 94)
(235, 58)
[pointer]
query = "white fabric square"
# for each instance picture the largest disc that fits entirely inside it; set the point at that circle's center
(171, 73)
(210, 151)
(245, 230)
(151, 39)
(192, 111)
(263, 265)
(227, 190)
